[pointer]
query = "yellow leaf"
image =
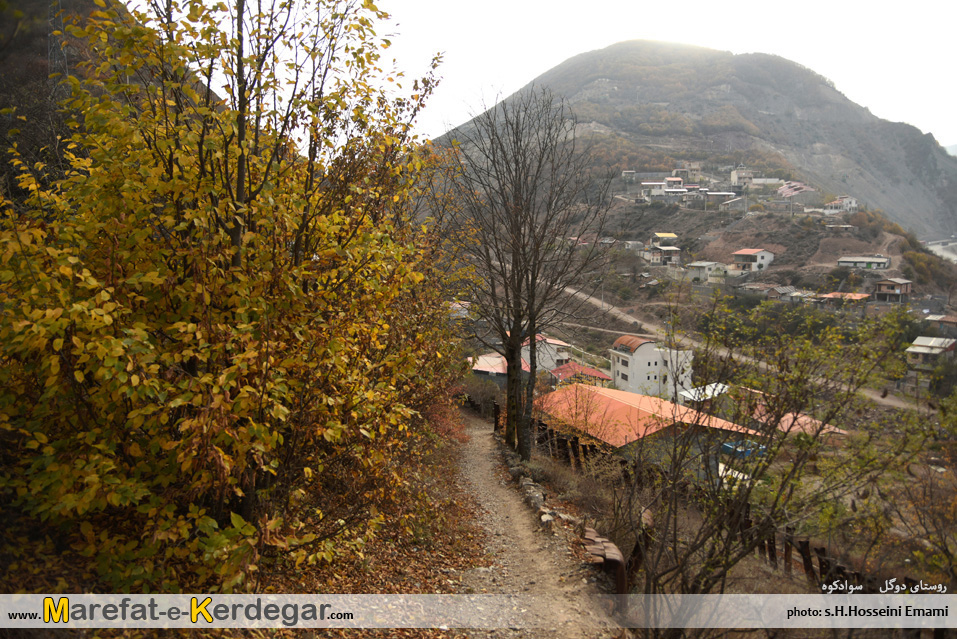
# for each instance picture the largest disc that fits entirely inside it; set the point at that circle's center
(78, 375)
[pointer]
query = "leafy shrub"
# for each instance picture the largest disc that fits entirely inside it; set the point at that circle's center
(214, 352)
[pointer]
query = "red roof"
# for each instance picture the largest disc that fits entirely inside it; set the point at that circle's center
(747, 252)
(630, 342)
(571, 369)
(619, 418)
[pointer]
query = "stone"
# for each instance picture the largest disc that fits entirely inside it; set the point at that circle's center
(534, 498)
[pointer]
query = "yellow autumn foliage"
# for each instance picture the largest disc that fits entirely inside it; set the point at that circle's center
(218, 330)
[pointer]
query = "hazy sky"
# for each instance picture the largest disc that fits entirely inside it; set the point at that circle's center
(897, 59)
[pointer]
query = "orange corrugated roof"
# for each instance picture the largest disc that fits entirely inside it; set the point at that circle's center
(630, 342)
(618, 417)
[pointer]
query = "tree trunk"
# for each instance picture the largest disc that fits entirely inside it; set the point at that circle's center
(525, 424)
(513, 391)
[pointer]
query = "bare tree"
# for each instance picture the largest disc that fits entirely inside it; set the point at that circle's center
(525, 193)
(792, 444)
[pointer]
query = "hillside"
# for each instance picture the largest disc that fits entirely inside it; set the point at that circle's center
(28, 55)
(805, 250)
(653, 104)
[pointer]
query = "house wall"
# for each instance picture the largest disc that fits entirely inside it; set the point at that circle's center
(876, 264)
(651, 370)
(549, 356)
(757, 262)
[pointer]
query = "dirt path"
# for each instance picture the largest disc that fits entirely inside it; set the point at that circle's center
(527, 560)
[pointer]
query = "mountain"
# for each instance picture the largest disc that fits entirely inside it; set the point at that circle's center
(654, 104)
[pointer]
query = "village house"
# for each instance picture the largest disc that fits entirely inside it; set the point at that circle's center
(839, 298)
(663, 255)
(756, 288)
(663, 239)
(702, 397)
(751, 260)
(781, 293)
(641, 366)
(549, 352)
(714, 199)
(700, 271)
(742, 178)
(872, 262)
(945, 324)
(607, 243)
(573, 373)
(893, 289)
(625, 421)
(718, 275)
(494, 367)
(843, 204)
(734, 204)
(661, 250)
(796, 192)
(689, 171)
(653, 190)
(928, 352)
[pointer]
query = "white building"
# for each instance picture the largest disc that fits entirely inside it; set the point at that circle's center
(701, 271)
(751, 260)
(549, 353)
(742, 177)
(843, 204)
(642, 366)
(864, 261)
